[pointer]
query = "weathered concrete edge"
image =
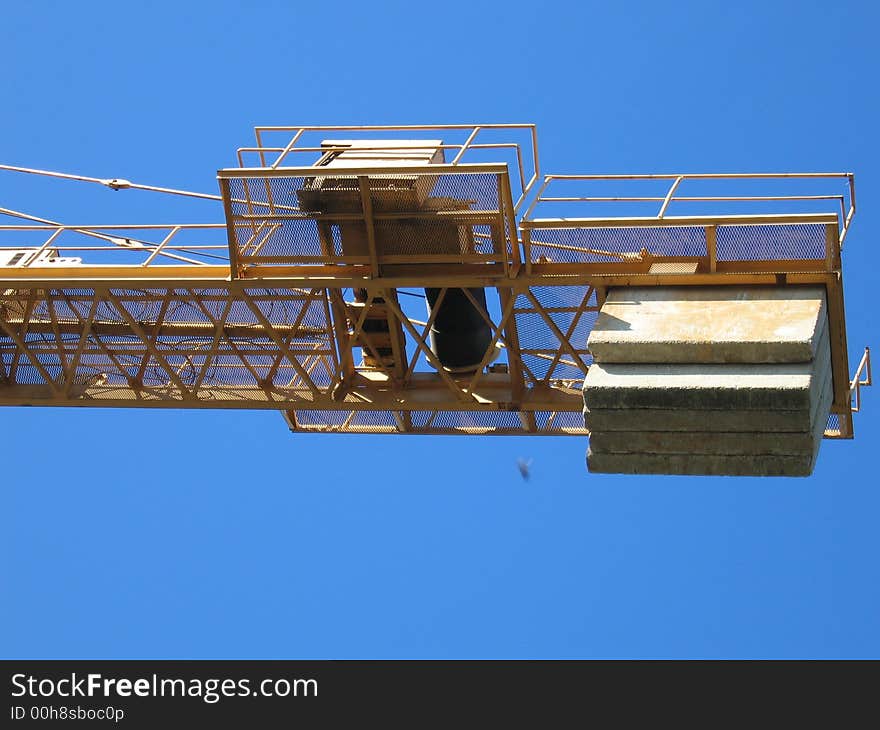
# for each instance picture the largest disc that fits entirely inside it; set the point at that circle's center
(702, 394)
(622, 346)
(701, 464)
(630, 420)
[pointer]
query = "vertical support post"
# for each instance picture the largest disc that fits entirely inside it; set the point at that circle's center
(668, 199)
(832, 248)
(505, 201)
(712, 247)
(527, 250)
(234, 266)
(339, 320)
(507, 297)
(839, 355)
(367, 206)
(395, 334)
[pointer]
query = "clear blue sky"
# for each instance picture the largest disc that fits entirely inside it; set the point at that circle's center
(132, 533)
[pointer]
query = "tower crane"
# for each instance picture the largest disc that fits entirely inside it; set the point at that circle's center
(431, 280)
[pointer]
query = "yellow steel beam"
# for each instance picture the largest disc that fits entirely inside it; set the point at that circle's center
(424, 395)
(679, 220)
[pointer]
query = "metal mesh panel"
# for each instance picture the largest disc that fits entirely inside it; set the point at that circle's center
(542, 350)
(263, 195)
(350, 421)
(586, 245)
(567, 421)
(299, 240)
(446, 218)
(28, 374)
(734, 243)
(479, 190)
(438, 422)
(832, 428)
(470, 420)
(751, 243)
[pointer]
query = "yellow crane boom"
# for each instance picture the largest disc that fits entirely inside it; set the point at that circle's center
(300, 300)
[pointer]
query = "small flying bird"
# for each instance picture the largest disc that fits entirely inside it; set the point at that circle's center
(523, 467)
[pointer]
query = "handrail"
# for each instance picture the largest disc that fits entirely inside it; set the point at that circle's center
(461, 149)
(678, 220)
(118, 238)
(844, 217)
(668, 198)
(309, 171)
(855, 385)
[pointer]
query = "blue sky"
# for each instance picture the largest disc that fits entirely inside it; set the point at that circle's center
(145, 534)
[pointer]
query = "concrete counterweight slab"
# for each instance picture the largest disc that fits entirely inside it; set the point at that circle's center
(709, 380)
(701, 464)
(709, 325)
(738, 386)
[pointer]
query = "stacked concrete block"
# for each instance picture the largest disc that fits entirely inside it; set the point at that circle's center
(709, 380)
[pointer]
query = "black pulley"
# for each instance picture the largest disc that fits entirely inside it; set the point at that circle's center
(460, 335)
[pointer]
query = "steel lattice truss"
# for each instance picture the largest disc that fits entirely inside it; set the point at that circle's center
(277, 348)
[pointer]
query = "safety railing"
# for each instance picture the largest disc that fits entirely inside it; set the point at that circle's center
(38, 245)
(367, 217)
(842, 203)
(294, 143)
(642, 228)
(861, 378)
